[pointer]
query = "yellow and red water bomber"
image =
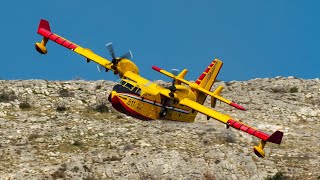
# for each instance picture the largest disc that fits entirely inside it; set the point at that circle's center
(143, 99)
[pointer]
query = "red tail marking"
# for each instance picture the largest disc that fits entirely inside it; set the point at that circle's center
(45, 31)
(244, 128)
(251, 131)
(44, 24)
(207, 70)
(202, 76)
(156, 68)
(247, 129)
(237, 106)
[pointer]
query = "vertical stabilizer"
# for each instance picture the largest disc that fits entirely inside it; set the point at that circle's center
(207, 78)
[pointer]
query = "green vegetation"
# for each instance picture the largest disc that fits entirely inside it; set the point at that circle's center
(278, 176)
(101, 107)
(24, 105)
(293, 90)
(7, 96)
(33, 137)
(99, 86)
(279, 90)
(65, 93)
(75, 146)
(61, 108)
(60, 173)
(77, 143)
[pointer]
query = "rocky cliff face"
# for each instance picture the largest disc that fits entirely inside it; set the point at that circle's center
(67, 129)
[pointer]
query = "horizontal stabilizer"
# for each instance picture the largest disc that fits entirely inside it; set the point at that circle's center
(216, 95)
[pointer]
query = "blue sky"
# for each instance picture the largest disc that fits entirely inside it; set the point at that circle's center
(254, 38)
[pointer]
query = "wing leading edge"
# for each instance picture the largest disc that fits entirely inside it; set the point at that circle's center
(276, 137)
(45, 30)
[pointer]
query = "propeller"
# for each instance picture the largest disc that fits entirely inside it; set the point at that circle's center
(116, 60)
(173, 88)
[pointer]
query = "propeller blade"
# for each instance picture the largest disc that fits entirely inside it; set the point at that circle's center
(127, 55)
(99, 67)
(175, 71)
(102, 68)
(109, 47)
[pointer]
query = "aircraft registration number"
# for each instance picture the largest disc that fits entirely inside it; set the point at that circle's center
(131, 102)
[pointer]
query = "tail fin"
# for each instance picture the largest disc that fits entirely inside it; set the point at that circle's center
(276, 138)
(207, 78)
(44, 24)
(43, 29)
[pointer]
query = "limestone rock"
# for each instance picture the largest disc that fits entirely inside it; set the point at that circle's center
(62, 136)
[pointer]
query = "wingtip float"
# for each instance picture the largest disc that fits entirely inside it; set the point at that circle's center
(143, 99)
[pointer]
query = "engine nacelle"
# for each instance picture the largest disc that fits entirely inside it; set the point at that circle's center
(126, 65)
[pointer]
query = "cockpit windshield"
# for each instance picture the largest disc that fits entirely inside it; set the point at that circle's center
(122, 82)
(129, 86)
(126, 84)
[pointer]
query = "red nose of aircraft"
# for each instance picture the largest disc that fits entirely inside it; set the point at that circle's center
(115, 101)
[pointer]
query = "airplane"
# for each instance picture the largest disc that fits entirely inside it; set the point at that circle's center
(140, 98)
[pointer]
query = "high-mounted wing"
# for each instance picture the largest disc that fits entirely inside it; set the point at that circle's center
(119, 65)
(45, 31)
(276, 137)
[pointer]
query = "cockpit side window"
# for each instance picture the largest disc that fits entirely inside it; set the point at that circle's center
(138, 91)
(134, 89)
(122, 82)
(129, 86)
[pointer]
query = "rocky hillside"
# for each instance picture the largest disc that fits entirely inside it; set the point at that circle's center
(68, 130)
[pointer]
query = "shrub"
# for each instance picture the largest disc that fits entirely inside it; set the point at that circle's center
(65, 93)
(279, 89)
(61, 108)
(293, 89)
(32, 137)
(98, 86)
(60, 173)
(7, 96)
(101, 107)
(24, 105)
(278, 176)
(120, 116)
(208, 175)
(77, 143)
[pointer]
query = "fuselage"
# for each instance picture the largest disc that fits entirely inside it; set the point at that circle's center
(141, 98)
